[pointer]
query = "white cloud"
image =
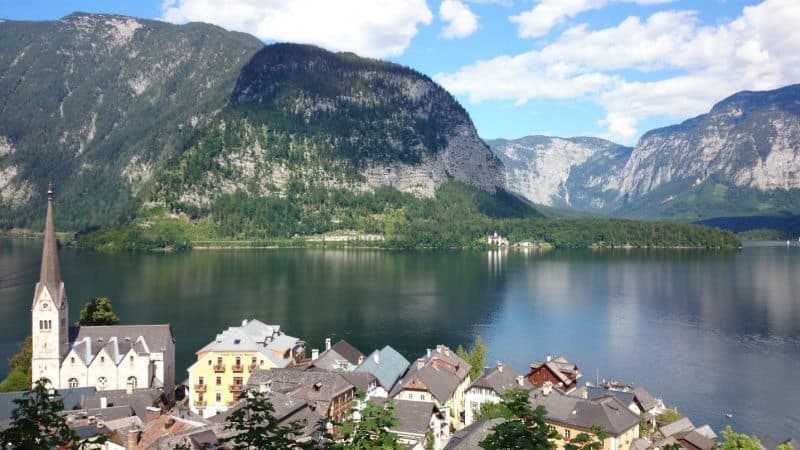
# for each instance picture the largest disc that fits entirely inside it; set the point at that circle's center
(367, 27)
(546, 14)
(667, 65)
(461, 21)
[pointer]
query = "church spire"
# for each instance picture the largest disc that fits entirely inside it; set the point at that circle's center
(50, 274)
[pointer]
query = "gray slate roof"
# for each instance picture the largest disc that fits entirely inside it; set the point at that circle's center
(644, 398)
(256, 336)
(470, 437)
(412, 417)
(682, 424)
(696, 439)
(596, 393)
(387, 364)
(330, 360)
(138, 401)
(72, 398)
(350, 353)
(119, 339)
(607, 413)
(319, 388)
(360, 380)
(441, 373)
(500, 379)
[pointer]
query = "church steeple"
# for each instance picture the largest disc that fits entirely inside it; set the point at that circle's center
(50, 274)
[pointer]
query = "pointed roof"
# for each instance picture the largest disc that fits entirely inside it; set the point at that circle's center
(50, 274)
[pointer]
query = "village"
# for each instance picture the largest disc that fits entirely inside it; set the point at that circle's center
(119, 381)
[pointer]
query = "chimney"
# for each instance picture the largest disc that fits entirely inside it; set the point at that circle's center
(360, 359)
(314, 353)
(327, 343)
(438, 349)
(420, 363)
(429, 353)
(500, 367)
(547, 387)
(521, 380)
(549, 358)
(244, 322)
(447, 351)
(133, 438)
(103, 402)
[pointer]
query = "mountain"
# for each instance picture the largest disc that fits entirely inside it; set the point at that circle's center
(98, 103)
(741, 158)
(563, 172)
(119, 112)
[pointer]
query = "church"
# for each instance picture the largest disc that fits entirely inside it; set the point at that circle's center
(103, 357)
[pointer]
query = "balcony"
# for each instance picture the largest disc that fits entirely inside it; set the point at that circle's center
(252, 366)
(238, 368)
(219, 368)
(200, 387)
(200, 403)
(236, 388)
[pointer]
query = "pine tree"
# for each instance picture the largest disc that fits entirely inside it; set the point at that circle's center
(97, 311)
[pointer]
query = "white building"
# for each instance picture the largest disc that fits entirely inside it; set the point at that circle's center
(490, 387)
(105, 357)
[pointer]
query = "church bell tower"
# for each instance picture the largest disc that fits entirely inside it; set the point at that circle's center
(50, 310)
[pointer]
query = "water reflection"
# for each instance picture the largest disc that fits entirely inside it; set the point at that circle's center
(710, 331)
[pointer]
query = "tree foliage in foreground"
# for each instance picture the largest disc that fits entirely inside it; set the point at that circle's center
(255, 427)
(524, 426)
(732, 440)
(19, 369)
(371, 431)
(36, 423)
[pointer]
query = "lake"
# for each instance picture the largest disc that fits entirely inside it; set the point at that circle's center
(710, 332)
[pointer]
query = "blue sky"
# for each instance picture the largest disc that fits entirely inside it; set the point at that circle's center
(610, 68)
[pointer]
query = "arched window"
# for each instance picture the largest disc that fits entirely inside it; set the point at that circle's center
(132, 382)
(73, 382)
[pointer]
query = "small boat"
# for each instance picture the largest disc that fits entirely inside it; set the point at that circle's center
(729, 415)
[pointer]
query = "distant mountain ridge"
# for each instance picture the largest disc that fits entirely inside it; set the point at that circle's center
(120, 112)
(741, 158)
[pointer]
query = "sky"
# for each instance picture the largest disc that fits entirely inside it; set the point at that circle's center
(607, 68)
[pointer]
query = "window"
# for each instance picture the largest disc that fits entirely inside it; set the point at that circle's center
(102, 359)
(219, 397)
(238, 381)
(209, 362)
(219, 381)
(219, 361)
(132, 382)
(567, 434)
(200, 381)
(73, 382)
(102, 381)
(238, 361)
(131, 359)
(72, 360)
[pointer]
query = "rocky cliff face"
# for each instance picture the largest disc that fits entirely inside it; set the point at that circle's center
(743, 157)
(117, 111)
(571, 172)
(307, 117)
(97, 103)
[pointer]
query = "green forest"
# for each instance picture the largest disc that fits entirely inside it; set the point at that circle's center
(458, 216)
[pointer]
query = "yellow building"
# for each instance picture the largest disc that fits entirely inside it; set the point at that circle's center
(223, 366)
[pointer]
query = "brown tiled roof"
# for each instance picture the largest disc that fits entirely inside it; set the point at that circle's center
(350, 353)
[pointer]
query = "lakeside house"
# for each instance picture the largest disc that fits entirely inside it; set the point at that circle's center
(490, 387)
(440, 377)
(569, 416)
(497, 240)
(218, 377)
(340, 356)
(560, 373)
(388, 365)
(103, 357)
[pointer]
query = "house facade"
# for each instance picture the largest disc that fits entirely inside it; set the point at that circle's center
(103, 357)
(490, 387)
(441, 377)
(224, 365)
(560, 373)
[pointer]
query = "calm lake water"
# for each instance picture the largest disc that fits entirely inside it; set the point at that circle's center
(710, 332)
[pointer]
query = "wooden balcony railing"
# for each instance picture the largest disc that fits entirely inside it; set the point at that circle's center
(236, 388)
(219, 368)
(200, 403)
(238, 368)
(200, 387)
